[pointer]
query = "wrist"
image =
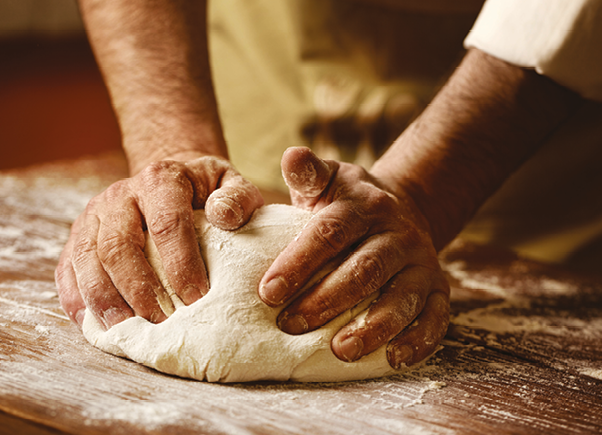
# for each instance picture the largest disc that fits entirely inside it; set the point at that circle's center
(488, 119)
(158, 74)
(403, 172)
(153, 141)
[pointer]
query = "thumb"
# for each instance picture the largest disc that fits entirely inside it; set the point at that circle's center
(306, 175)
(231, 205)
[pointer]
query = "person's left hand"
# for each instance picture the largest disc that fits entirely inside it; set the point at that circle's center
(388, 248)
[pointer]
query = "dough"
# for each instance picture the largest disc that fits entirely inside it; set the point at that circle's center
(230, 335)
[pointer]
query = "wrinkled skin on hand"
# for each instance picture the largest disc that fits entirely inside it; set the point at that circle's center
(103, 267)
(386, 248)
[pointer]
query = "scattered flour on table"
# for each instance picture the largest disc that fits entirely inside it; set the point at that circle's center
(593, 373)
(505, 316)
(467, 280)
(148, 414)
(42, 329)
(38, 212)
(21, 310)
(515, 315)
(492, 318)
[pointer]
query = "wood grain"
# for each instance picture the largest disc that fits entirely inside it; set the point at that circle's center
(523, 354)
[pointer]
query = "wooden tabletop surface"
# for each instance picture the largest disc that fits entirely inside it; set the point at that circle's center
(523, 354)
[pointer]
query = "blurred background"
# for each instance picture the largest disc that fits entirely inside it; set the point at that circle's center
(53, 103)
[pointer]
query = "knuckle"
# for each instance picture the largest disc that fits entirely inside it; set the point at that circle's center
(350, 172)
(94, 293)
(155, 168)
(368, 274)
(116, 192)
(124, 219)
(111, 248)
(209, 162)
(93, 208)
(381, 201)
(327, 309)
(411, 238)
(218, 164)
(167, 223)
(158, 173)
(82, 249)
(409, 305)
(333, 233)
(164, 184)
(382, 329)
(418, 280)
(93, 204)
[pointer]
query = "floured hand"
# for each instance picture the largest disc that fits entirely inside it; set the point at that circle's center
(385, 247)
(103, 266)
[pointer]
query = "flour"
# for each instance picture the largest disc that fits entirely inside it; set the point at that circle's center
(230, 335)
(593, 373)
(42, 329)
(467, 280)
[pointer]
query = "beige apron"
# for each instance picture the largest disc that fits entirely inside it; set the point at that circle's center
(346, 78)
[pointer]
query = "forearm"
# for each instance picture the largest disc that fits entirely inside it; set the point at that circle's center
(487, 120)
(154, 58)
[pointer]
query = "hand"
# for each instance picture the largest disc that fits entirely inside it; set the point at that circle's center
(388, 249)
(103, 266)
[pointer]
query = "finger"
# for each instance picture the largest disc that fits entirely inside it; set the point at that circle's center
(166, 203)
(121, 243)
(233, 203)
(66, 282)
(331, 231)
(96, 288)
(205, 174)
(401, 301)
(306, 174)
(362, 273)
(422, 337)
(228, 198)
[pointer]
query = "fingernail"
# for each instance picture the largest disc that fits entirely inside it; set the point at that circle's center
(351, 348)
(400, 356)
(79, 317)
(113, 316)
(274, 291)
(158, 316)
(294, 325)
(191, 293)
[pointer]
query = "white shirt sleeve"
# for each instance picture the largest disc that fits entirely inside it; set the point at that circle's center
(561, 39)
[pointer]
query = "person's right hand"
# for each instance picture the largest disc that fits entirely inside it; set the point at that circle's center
(103, 266)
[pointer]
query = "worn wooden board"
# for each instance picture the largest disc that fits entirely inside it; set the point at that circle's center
(523, 354)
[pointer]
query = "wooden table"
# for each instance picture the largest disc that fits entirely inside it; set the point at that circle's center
(523, 353)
